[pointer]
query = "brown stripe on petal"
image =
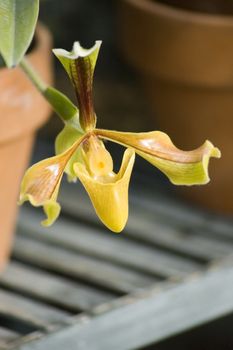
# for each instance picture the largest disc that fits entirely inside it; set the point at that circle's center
(44, 184)
(42, 180)
(82, 78)
(80, 65)
(157, 144)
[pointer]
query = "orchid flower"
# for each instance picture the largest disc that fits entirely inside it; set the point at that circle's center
(81, 153)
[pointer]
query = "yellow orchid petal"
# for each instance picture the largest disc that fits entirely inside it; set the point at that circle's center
(41, 183)
(52, 210)
(98, 159)
(109, 193)
(181, 167)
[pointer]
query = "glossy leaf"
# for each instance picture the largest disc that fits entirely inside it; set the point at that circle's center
(17, 25)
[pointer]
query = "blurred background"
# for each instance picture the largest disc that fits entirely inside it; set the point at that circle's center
(166, 65)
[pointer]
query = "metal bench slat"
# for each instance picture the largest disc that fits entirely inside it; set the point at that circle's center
(52, 289)
(103, 274)
(149, 318)
(183, 215)
(147, 226)
(35, 313)
(192, 243)
(111, 247)
(7, 336)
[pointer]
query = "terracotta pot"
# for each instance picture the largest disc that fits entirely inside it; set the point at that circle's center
(23, 110)
(185, 58)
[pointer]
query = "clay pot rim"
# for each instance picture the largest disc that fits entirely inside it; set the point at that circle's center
(180, 14)
(42, 39)
(42, 47)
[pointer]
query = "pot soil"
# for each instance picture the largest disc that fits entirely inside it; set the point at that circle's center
(23, 110)
(185, 57)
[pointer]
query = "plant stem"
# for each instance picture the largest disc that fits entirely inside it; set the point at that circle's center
(60, 103)
(33, 75)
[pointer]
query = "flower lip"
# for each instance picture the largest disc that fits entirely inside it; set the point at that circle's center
(109, 194)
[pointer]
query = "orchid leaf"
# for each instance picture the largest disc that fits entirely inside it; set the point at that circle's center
(62, 105)
(17, 25)
(181, 167)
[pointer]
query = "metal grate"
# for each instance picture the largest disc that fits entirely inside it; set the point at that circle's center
(77, 286)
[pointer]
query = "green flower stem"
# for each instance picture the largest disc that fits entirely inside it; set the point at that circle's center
(60, 103)
(31, 73)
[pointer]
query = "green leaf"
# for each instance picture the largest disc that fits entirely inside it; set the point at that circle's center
(17, 25)
(61, 104)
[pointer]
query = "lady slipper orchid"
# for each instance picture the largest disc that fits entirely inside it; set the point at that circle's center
(81, 154)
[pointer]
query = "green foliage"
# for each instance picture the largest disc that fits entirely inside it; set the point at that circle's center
(61, 104)
(17, 25)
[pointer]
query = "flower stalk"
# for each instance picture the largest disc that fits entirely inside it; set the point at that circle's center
(31, 73)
